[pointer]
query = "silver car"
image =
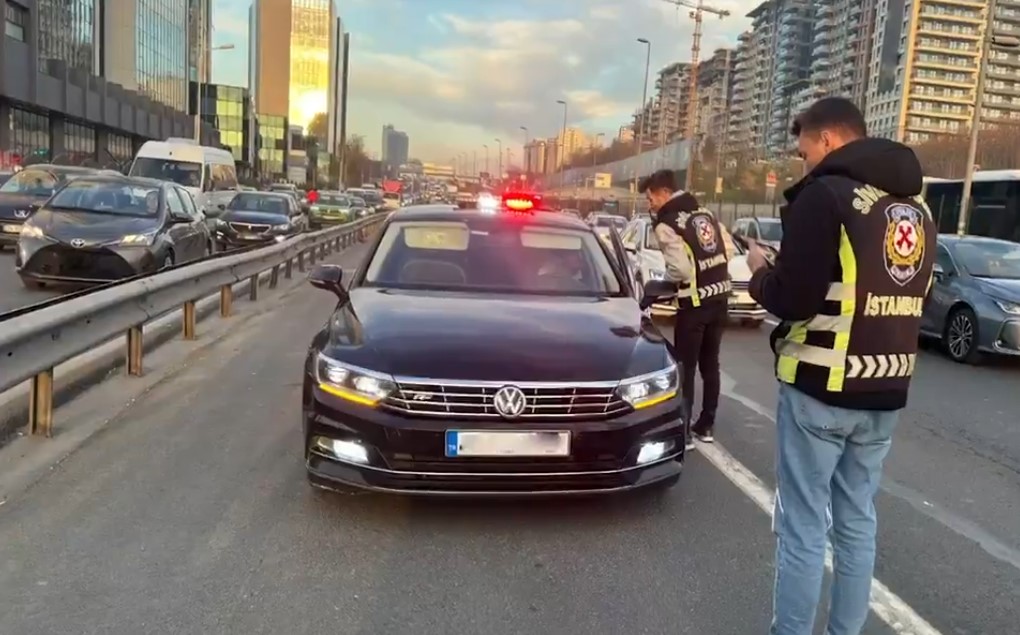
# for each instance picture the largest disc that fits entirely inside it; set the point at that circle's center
(974, 303)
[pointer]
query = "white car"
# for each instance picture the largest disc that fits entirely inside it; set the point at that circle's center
(649, 264)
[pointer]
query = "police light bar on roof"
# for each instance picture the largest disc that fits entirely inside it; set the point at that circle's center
(521, 202)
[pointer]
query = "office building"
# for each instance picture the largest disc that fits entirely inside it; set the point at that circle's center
(395, 147)
(293, 64)
(272, 141)
(228, 110)
(337, 100)
(145, 48)
(54, 102)
(199, 40)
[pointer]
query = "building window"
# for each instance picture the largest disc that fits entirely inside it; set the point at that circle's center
(79, 143)
(30, 135)
(15, 20)
(66, 33)
(119, 147)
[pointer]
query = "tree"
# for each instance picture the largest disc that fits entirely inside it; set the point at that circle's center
(945, 156)
(356, 162)
(318, 127)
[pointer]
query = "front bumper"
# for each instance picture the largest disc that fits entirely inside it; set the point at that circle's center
(46, 261)
(10, 231)
(235, 241)
(1007, 341)
(406, 454)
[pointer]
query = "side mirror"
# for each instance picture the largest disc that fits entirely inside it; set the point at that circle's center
(655, 290)
(329, 278)
(630, 249)
(179, 218)
(938, 272)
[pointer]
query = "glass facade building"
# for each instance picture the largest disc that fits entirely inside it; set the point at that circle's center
(199, 39)
(161, 48)
(272, 146)
(228, 110)
(309, 59)
(68, 32)
(30, 134)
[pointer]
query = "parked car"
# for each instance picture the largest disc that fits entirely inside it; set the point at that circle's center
(639, 241)
(765, 230)
(102, 228)
(974, 303)
(27, 190)
(253, 218)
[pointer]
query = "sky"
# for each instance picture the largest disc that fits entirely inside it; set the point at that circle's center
(457, 74)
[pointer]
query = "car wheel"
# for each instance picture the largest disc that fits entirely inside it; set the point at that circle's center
(961, 336)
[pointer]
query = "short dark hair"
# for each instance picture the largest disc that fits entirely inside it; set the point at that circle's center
(830, 113)
(659, 180)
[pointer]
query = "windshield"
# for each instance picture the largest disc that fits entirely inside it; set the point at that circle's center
(771, 230)
(183, 173)
(119, 198)
(259, 203)
(334, 199)
(372, 197)
(357, 201)
(989, 259)
(32, 183)
(491, 254)
(610, 221)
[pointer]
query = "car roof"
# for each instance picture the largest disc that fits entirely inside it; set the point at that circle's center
(280, 195)
(66, 169)
(124, 180)
(451, 213)
(971, 239)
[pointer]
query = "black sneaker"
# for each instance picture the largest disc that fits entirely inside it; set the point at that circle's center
(705, 436)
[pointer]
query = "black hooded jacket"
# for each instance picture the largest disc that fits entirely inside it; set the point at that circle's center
(795, 288)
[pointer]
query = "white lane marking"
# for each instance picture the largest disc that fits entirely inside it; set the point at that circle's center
(887, 605)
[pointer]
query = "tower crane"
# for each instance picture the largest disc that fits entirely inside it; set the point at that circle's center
(699, 9)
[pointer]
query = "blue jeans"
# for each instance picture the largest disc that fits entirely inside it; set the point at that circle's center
(828, 467)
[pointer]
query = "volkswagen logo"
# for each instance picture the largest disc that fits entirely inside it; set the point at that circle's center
(78, 242)
(509, 402)
(21, 213)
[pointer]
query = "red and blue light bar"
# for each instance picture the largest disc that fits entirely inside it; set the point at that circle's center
(521, 202)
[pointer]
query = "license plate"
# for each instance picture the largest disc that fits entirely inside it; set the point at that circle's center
(506, 443)
(250, 237)
(12, 229)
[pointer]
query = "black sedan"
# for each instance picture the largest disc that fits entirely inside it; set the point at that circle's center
(489, 354)
(103, 228)
(254, 218)
(27, 190)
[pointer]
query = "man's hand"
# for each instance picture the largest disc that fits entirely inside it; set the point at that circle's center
(755, 256)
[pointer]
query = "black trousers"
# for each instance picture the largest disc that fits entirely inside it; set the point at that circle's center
(697, 339)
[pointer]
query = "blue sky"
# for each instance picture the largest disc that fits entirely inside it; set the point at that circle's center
(456, 74)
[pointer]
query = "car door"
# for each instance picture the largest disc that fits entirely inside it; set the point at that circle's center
(182, 233)
(298, 219)
(943, 292)
(201, 224)
(623, 261)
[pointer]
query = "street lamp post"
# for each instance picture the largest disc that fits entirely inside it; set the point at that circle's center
(202, 79)
(594, 161)
(499, 154)
(990, 40)
(563, 142)
(486, 159)
(641, 127)
(524, 148)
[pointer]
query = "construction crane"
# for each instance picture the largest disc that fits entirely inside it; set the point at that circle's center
(699, 9)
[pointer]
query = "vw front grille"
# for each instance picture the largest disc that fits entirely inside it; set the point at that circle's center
(248, 228)
(434, 398)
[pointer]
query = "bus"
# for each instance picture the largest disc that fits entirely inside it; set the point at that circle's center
(994, 209)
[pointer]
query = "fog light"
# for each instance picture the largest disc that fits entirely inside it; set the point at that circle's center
(653, 451)
(350, 451)
(280, 239)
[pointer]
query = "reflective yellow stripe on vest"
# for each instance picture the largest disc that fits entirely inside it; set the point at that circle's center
(792, 349)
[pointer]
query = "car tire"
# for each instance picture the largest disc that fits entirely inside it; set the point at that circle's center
(960, 337)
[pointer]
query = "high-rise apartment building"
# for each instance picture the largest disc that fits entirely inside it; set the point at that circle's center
(535, 156)
(714, 94)
(668, 117)
(292, 68)
(395, 148)
(145, 48)
(745, 70)
(625, 134)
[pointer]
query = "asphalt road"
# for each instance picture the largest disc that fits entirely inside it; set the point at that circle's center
(13, 294)
(190, 514)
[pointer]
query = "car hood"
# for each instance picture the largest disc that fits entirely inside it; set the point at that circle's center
(1001, 288)
(91, 227)
(494, 338)
(11, 203)
(739, 271)
(258, 218)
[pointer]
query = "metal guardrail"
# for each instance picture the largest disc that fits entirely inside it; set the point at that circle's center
(33, 343)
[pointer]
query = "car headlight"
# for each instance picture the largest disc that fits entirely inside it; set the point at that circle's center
(1009, 307)
(31, 231)
(359, 385)
(138, 239)
(651, 389)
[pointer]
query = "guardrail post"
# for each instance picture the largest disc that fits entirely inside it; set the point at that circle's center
(134, 351)
(311, 255)
(190, 320)
(323, 252)
(274, 276)
(226, 300)
(287, 272)
(253, 288)
(40, 405)
(301, 262)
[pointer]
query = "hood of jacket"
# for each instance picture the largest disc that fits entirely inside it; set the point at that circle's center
(888, 165)
(680, 203)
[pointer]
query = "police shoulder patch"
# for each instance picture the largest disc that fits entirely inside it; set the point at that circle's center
(904, 242)
(704, 229)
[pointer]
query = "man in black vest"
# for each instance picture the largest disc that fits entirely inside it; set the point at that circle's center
(696, 251)
(853, 270)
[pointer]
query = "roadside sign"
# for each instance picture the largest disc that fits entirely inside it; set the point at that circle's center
(770, 179)
(718, 185)
(603, 180)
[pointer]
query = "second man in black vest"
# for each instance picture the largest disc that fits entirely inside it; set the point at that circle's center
(697, 251)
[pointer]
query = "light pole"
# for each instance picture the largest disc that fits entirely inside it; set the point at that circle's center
(500, 155)
(563, 142)
(486, 159)
(990, 40)
(202, 79)
(641, 127)
(474, 164)
(527, 155)
(594, 161)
